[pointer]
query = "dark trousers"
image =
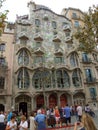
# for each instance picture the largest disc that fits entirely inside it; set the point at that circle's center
(2, 126)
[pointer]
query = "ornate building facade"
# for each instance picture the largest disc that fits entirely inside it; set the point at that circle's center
(47, 69)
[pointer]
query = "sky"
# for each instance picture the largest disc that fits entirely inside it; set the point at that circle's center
(19, 7)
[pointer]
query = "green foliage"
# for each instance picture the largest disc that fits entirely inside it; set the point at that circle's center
(88, 35)
(3, 16)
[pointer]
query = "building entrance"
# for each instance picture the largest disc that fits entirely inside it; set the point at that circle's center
(23, 107)
(1, 107)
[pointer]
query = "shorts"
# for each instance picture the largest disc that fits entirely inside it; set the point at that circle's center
(57, 119)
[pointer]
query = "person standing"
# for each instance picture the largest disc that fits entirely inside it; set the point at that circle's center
(87, 123)
(23, 124)
(9, 115)
(79, 112)
(40, 120)
(12, 124)
(67, 113)
(2, 118)
(32, 121)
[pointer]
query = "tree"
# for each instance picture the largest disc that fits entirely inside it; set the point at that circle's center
(88, 34)
(3, 16)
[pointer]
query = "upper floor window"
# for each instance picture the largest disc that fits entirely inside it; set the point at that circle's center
(59, 59)
(2, 61)
(88, 73)
(23, 41)
(38, 59)
(2, 82)
(84, 56)
(37, 22)
(2, 47)
(41, 79)
(73, 60)
(76, 24)
(54, 24)
(93, 92)
(23, 28)
(64, 24)
(38, 44)
(62, 79)
(76, 78)
(23, 80)
(23, 58)
(74, 15)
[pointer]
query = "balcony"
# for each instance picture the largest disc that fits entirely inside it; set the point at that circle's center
(67, 28)
(39, 50)
(56, 39)
(68, 39)
(38, 37)
(86, 61)
(23, 35)
(91, 80)
(58, 51)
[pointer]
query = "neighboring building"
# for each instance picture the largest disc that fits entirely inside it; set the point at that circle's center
(45, 69)
(75, 15)
(6, 66)
(89, 62)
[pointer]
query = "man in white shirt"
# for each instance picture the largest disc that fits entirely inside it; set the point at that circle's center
(79, 112)
(2, 118)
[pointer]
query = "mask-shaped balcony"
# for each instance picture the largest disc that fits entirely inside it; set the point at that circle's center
(58, 51)
(67, 28)
(56, 39)
(39, 50)
(38, 37)
(68, 39)
(23, 35)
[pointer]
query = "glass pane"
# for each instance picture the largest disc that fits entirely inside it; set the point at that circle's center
(23, 58)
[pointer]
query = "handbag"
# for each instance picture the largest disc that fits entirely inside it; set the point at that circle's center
(7, 127)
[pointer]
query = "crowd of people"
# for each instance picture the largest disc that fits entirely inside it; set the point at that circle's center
(53, 117)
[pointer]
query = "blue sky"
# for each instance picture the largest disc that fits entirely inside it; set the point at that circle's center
(19, 7)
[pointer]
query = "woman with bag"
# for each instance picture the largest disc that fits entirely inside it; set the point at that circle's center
(23, 124)
(12, 124)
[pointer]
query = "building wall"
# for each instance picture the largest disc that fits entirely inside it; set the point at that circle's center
(6, 70)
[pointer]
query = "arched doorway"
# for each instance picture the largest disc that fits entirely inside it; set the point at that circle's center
(23, 107)
(79, 98)
(2, 107)
(39, 101)
(63, 100)
(52, 100)
(23, 103)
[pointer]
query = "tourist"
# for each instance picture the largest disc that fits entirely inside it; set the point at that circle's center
(87, 123)
(2, 119)
(32, 121)
(12, 124)
(67, 113)
(79, 112)
(40, 120)
(57, 116)
(23, 124)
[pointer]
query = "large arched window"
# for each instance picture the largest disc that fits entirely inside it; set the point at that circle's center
(23, 58)
(76, 78)
(41, 79)
(23, 79)
(62, 79)
(74, 59)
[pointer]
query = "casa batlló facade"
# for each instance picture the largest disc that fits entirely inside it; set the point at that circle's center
(47, 70)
